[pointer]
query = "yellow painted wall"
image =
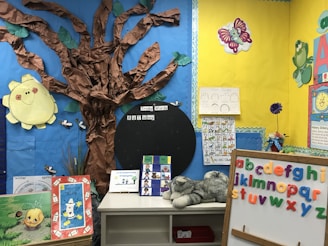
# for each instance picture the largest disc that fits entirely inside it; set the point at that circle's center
(264, 72)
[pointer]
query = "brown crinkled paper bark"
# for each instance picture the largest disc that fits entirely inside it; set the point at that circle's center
(94, 74)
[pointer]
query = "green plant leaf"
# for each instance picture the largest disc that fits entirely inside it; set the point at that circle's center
(17, 30)
(66, 38)
(117, 8)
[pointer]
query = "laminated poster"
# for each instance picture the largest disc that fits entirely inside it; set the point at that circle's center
(218, 139)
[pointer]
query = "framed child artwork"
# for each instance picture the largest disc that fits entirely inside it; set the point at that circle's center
(71, 207)
(124, 181)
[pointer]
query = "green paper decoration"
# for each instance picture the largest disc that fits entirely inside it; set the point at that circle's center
(17, 30)
(66, 38)
(181, 59)
(72, 107)
(117, 8)
(157, 96)
(147, 3)
(126, 107)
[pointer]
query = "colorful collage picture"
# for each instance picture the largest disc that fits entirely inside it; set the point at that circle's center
(155, 175)
(71, 207)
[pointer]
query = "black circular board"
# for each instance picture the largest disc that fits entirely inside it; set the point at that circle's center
(164, 131)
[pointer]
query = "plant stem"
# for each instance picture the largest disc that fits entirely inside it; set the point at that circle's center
(277, 124)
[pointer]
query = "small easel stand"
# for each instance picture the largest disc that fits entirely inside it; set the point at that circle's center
(255, 239)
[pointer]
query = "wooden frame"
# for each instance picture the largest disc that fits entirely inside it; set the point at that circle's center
(300, 187)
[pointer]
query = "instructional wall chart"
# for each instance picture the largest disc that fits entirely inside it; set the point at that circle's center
(218, 139)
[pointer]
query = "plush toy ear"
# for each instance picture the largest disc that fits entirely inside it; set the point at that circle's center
(211, 174)
(180, 180)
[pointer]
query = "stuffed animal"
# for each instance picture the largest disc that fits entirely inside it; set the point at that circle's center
(184, 191)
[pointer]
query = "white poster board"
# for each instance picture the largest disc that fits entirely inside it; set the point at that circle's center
(124, 181)
(219, 101)
(276, 199)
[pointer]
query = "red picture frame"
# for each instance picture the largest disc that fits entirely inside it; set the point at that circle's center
(71, 207)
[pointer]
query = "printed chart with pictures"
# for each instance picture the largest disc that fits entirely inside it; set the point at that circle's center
(318, 116)
(155, 175)
(71, 207)
(218, 139)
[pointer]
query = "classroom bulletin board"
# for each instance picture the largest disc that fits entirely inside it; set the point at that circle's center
(276, 199)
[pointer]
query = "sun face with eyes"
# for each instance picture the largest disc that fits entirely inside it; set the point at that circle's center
(321, 101)
(30, 103)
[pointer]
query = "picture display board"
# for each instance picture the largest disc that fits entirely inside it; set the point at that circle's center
(276, 199)
(155, 128)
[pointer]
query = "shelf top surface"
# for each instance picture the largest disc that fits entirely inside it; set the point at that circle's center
(123, 202)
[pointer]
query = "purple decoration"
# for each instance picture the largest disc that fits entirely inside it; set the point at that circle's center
(276, 108)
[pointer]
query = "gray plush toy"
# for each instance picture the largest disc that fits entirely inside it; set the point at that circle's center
(185, 191)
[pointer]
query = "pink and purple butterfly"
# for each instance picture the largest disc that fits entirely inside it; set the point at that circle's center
(236, 35)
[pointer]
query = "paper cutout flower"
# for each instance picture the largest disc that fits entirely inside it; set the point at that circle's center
(276, 108)
(276, 139)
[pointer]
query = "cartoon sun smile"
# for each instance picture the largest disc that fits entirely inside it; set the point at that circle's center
(30, 103)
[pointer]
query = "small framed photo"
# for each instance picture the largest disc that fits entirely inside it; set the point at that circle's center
(124, 181)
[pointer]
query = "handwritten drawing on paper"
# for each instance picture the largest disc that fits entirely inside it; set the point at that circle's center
(219, 101)
(24, 184)
(218, 138)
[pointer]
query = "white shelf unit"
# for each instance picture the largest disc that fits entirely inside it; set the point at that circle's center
(130, 219)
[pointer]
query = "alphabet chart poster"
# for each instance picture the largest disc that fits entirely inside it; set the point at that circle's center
(218, 139)
(276, 199)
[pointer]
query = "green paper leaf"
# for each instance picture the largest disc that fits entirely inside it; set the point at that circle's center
(72, 107)
(117, 8)
(147, 3)
(17, 30)
(126, 107)
(181, 59)
(157, 96)
(66, 38)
